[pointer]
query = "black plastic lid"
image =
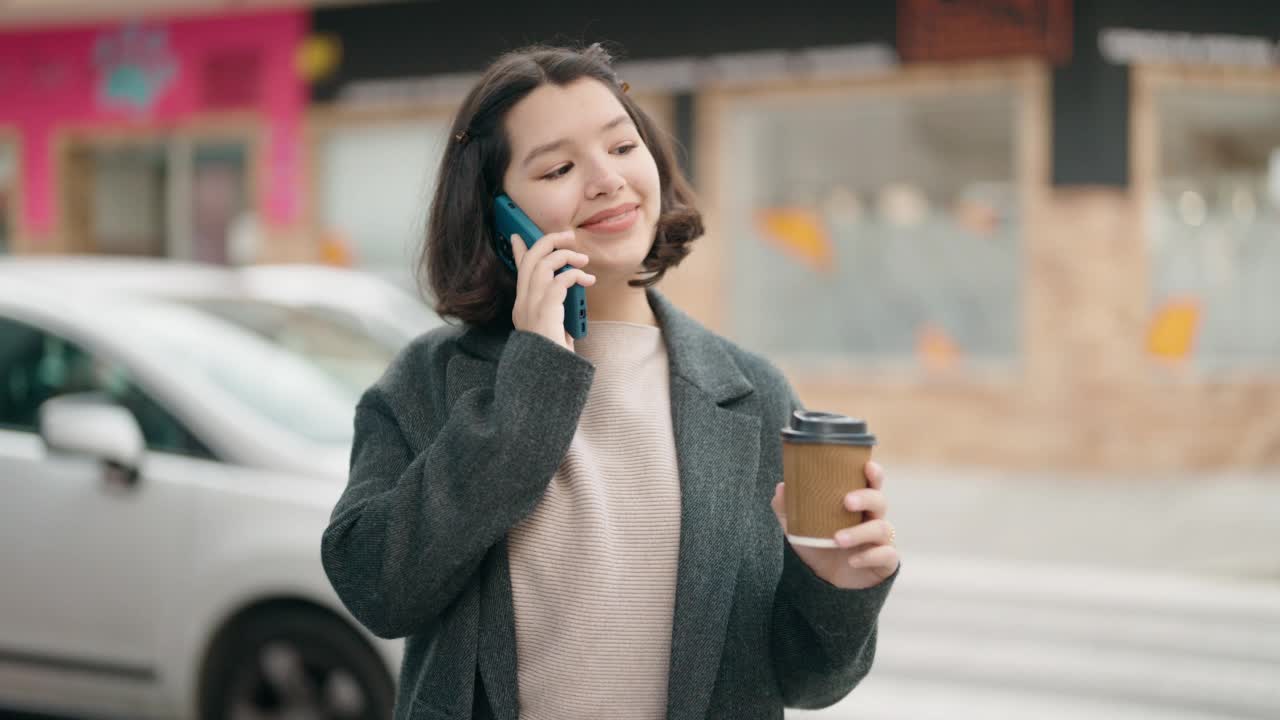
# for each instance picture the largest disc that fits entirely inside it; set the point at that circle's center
(812, 426)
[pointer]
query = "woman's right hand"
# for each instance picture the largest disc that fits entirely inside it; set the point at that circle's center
(540, 293)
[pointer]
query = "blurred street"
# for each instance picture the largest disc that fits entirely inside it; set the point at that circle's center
(1003, 640)
(1033, 244)
(1201, 524)
(1106, 597)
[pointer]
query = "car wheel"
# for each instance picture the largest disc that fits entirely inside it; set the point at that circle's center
(294, 663)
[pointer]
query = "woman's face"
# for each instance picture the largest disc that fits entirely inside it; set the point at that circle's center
(577, 163)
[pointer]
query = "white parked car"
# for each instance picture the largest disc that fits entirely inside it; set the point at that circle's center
(312, 308)
(172, 441)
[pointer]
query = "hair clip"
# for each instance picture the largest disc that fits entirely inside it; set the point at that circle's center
(462, 137)
(625, 87)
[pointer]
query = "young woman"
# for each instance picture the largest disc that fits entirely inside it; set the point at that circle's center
(587, 529)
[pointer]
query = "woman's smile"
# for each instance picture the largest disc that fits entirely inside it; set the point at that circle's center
(614, 223)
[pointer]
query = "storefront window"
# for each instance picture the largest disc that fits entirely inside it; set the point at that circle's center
(219, 198)
(376, 184)
(1214, 234)
(125, 209)
(161, 196)
(377, 178)
(884, 227)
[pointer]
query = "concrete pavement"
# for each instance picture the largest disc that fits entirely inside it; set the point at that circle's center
(1217, 524)
(998, 639)
(1057, 596)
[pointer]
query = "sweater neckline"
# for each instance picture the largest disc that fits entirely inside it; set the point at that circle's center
(617, 340)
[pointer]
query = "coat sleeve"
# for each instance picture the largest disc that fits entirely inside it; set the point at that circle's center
(823, 637)
(409, 531)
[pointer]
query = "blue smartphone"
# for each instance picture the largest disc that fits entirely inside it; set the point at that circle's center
(508, 220)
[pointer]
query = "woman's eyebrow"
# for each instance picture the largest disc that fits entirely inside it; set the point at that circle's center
(557, 144)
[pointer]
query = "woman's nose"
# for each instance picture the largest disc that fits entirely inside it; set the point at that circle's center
(605, 180)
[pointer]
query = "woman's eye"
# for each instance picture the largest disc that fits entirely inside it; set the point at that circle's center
(558, 172)
(624, 149)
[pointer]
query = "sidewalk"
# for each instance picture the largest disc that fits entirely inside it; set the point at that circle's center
(1056, 597)
(1005, 640)
(1225, 524)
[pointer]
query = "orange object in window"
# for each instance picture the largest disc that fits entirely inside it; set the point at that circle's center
(336, 250)
(1173, 329)
(799, 232)
(935, 348)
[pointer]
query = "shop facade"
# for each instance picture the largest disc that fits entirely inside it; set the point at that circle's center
(1030, 234)
(174, 138)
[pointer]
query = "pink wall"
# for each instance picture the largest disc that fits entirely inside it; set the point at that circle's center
(156, 74)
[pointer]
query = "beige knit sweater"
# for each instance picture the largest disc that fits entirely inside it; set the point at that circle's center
(593, 568)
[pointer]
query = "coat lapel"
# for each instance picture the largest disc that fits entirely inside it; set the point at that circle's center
(717, 450)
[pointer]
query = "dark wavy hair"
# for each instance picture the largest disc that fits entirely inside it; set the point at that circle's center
(457, 266)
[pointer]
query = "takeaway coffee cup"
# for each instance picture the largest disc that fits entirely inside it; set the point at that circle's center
(823, 459)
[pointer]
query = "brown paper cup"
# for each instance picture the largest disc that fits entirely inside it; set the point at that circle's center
(824, 458)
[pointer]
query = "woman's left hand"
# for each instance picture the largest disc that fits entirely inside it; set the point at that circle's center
(866, 554)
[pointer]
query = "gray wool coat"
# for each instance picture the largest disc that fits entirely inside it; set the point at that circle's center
(456, 443)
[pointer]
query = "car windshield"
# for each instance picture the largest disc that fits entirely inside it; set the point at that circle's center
(337, 342)
(265, 376)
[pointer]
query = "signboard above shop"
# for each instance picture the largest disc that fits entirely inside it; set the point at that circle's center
(413, 42)
(392, 52)
(946, 30)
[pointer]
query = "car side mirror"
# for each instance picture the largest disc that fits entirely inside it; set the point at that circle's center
(91, 424)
